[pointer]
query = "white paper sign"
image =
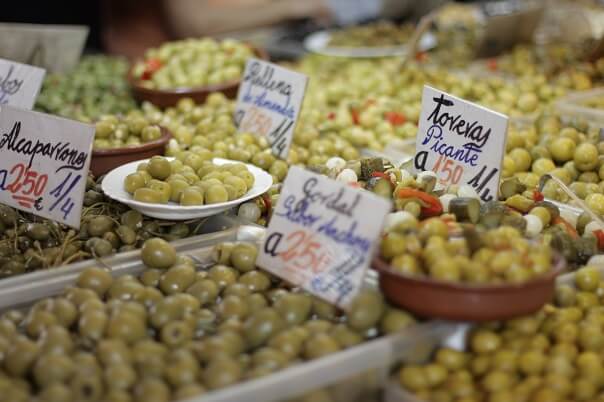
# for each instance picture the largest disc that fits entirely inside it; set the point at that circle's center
(269, 102)
(57, 48)
(44, 163)
(322, 235)
(461, 142)
(19, 84)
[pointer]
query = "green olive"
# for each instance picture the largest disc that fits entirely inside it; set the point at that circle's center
(158, 253)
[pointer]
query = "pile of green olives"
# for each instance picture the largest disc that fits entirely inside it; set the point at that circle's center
(381, 33)
(552, 355)
(193, 181)
(192, 63)
(173, 332)
(95, 87)
(132, 130)
(499, 255)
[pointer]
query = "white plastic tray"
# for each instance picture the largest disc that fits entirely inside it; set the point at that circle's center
(26, 288)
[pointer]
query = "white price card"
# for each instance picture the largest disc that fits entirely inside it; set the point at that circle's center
(19, 84)
(57, 48)
(322, 235)
(463, 143)
(44, 163)
(269, 102)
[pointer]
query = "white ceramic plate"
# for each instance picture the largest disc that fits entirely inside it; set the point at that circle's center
(318, 42)
(113, 186)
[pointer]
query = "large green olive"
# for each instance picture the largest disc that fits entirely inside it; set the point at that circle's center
(158, 253)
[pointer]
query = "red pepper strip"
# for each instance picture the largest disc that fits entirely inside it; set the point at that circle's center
(151, 66)
(395, 118)
(383, 176)
(538, 196)
(433, 208)
(331, 115)
(600, 236)
(355, 116)
(569, 228)
(492, 64)
(421, 56)
(268, 203)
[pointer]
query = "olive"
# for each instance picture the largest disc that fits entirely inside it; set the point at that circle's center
(261, 325)
(134, 181)
(223, 275)
(148, 195)
(177, 279)
(159, 168)
(38, 231)
(96, 279)
(319, 345)
(395, 320)
(53, 368)
(366, 310)
(99, 225)
(21, 356)
(205, 290)
(256, 281)
(126, 234)
(294, 308)
(149, 357)
(151, 389)
(243, 257)
(132, 219)
(221, 372)
(56, 392)
(157, 253)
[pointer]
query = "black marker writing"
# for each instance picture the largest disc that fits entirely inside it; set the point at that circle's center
(73, 158)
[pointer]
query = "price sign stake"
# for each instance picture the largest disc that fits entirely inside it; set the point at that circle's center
(269, 102)
(322, 235)
(44, 163)
(461, 142)
(19, 84)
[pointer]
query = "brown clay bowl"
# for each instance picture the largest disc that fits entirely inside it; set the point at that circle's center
(460, 302)
(164, 98)
(105, 160)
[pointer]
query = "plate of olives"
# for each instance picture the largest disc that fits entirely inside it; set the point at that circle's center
(166, 188)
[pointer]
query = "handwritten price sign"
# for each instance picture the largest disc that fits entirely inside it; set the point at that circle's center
(19, 84)
(461, 142)
(321, 236)
(269, 102)
(44, 162)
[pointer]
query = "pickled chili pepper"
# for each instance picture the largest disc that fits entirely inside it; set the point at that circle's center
(383, 175)
(151, 66)
(395, 118)
(558, 220)
(538, 196)
(431, 205)
(600, 237)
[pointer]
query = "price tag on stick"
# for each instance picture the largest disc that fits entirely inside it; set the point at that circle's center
(19, 84)
(463, 143)
(44, 163)
(322, 235)
(269, 102)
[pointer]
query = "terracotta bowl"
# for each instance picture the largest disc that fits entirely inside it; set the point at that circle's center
(460, 302)
(164, 98)
(105, 160)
